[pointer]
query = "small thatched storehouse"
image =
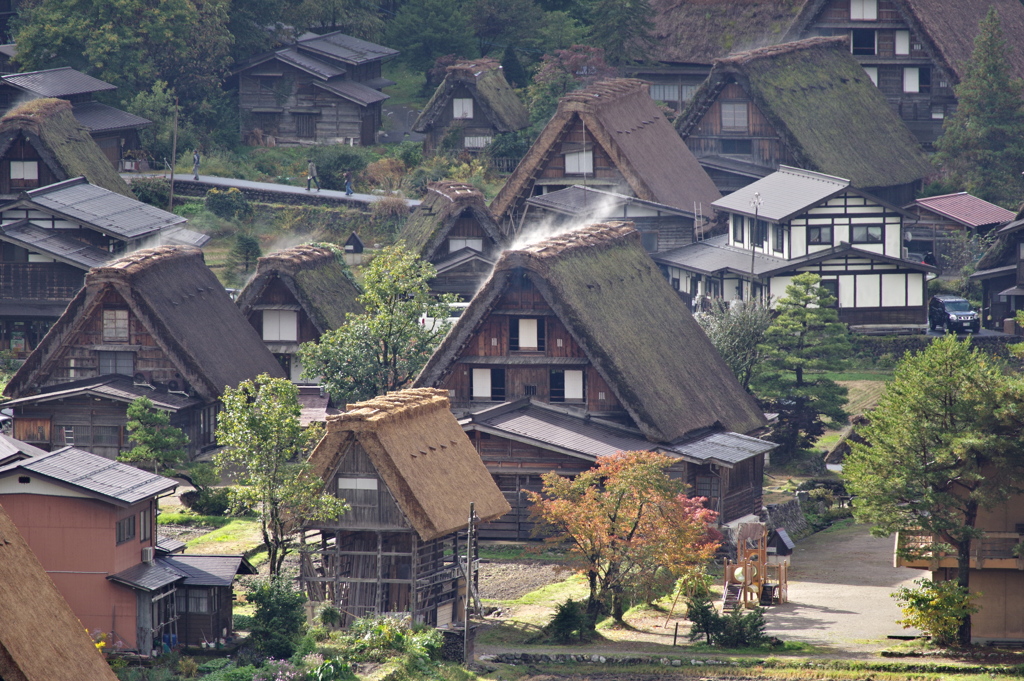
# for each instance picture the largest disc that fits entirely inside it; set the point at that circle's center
(612, 136)
(806, 104)
(296, 296)
(474, 103)
(42, 143)
(577, 346)
(155, 323)
(40, 637)
(454, 230)
(410, 475)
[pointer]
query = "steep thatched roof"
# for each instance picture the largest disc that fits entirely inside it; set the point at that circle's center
(633, 327)
(620, 114)
(40, 637)
(422, 455)
(426, 229)
(699, 31)
(317, 277)
(64, 144)
(828, 112)
(485, 80)
(179, 300)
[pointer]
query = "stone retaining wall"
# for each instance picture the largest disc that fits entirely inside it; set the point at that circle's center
(789, 516)
(540, 658)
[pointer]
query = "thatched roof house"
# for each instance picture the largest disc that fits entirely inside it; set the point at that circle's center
(610, 135)
(47, 145)
(454, 230)
(492, 107)
(40, 637)
(820, 105)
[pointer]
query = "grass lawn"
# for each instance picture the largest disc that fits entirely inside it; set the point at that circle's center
(236, 537)
(408, 87)
(518, 551)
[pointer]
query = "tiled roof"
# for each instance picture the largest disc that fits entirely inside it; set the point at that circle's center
(784, 193)
(353, 91)
(111, 386)
(715, 255)
(102, 118)
(345, 48)
(306, 62)
(104, 477)
(966, 209)
(54, 243)
(148, 576)
(62, 82)
(207, 570)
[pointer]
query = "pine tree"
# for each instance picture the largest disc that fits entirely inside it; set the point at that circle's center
(982, 146)
(157, 443)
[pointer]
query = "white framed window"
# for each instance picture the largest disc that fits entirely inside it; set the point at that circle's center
(665, 92)
(938, 112)
(476, 142)
(24, 170)
(115, 326)
(364, 484)
(527, 334)
(911, 79)
(863, 10)
(574, 384)
(280, 325)
(902, 43)
(458, 243)
(734, 115)
(462, 107)
(872, 72)
(579, 163)
(481, 384)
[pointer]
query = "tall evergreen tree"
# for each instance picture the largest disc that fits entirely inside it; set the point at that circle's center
(622, 28)
(982, 146)
(423, 30)
(155, 441)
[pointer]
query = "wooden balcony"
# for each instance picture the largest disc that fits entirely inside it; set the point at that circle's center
(994, 551)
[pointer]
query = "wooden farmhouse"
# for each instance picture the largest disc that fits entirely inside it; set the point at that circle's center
(1001, 275)
(92, 524)
(51, 236)
(41, 638)
(808, 222)
(296, 296)
(114, 131)
(155, 323)
(454, 230)
(661, 227)
(321, 89)
(411, 477)
(472, 105)
(575, 347)
(938, 225)
(610, 136)
(806, 104)
(914, 51)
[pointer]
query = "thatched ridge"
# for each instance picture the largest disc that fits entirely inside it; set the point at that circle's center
(427, 228)
(828, 112)
(187, 311)
(620, 114)
(422, 455)
(485, 80)
(63, 143)
(316, 276)
(41, 639)
(633, 327)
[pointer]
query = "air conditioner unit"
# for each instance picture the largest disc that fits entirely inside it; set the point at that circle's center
(147, 554)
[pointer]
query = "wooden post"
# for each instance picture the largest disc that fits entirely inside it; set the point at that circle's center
(174, 156)
(469, 581)
(675, 636)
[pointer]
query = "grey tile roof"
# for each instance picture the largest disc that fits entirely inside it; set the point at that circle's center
(148, 576)
(784, 193)
(112, 480)
(353, 91)
(714, 255)
(111, 386)
(61, 82)
(290, 55)
(186, 237)
(346, 48)
(721, 447)
(102, 118)
(52, 242)
(168, 545)
(207, 570)
(580, 200)
(9, 447)
(103, 209)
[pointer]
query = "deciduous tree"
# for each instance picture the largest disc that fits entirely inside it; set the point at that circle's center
(155, 441)
(622, 28)
(385, 347)
(945, 444)
(623, 520)
(561, 73)
(426, 29)
(738, 332)
(263, 446)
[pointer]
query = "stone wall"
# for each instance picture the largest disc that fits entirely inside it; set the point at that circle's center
(540, 658)
(789, 516)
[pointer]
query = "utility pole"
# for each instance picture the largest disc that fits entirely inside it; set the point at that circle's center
(174, 156)
(755, 203)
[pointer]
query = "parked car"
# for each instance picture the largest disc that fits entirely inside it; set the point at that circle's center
(952, 313)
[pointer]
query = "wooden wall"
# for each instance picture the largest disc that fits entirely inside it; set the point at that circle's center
(477, 126)
(766, 144)
(21, 150)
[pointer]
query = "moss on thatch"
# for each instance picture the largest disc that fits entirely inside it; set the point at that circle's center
(428, 226)
(485, 80)
(421, 453)
(634, 328)
(829, 114)
(64, 144)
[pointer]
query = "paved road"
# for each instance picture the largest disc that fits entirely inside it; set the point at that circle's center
(983, 332)
(398, 122)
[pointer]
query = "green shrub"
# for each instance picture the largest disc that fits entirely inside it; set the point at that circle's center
(388, 215)
(229, 204)
(738, 629)
(332, 162)
(156, 191)
(936, 608)
(570, 623)
(279, 617)
(241, 622)
(409, 153)
(331, 670)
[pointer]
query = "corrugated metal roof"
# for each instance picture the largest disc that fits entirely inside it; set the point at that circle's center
(207, 570)
(714, 255)
(148, 576)
(62, 82)
(97, 474)
(112, 386)
(966, 209)
(102, 118)
(168, 545)
(10, 447)
(54, 243)
(353, 91)
(186, 237)
(346, 48)
(722, 447)
(306, 62)
(784, 193)
(103, 210)
(588, 201)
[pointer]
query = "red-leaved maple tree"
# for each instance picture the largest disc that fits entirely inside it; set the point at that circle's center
(624, 521)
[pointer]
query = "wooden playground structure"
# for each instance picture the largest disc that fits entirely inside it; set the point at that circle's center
(754, 578)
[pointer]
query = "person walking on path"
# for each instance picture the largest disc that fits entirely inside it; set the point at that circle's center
(348, 183)
(311, 175)
(195, 164)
